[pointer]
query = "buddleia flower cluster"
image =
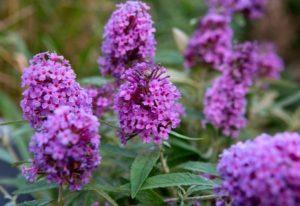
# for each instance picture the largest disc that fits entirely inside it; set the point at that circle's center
(147, 104)
(102, 97)
(48, 83)
(66, 151)
(270, 65)
(252, 9)
(128, 37)
(225, 102)
(211, 42)
(263, 171)
(65, 145)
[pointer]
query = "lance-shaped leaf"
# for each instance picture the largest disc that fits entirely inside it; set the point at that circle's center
(140, 169)
(202, 167)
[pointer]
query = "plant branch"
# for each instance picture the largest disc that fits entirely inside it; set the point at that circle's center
(205, 197)
(60, 200)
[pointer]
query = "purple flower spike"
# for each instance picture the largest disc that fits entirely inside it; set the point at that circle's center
(103, 97)
(67, 150)
(241, 65)
(128, 37)
(252, 9)
(147, 104)
(49, 82)
(211, 43)
(225, 106)
(269, 63)
(264, 171)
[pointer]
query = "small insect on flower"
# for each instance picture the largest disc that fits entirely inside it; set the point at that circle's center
(67, 150)
(263, 171)
(147, 104)
(211, 42)
(49, 82)
(128, 37)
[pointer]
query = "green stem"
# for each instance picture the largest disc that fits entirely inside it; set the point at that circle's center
(12, 122)
(205, 197)
(60, 199)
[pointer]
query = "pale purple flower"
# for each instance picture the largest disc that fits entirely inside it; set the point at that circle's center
(225, 102)
(263, 171)
(211, 42)
(49, 82)
(128, 37)
(103, 97)
(270, 65)
(225, 106)
(147, 104)
(252, 9)
(67, 150)
(241, 65)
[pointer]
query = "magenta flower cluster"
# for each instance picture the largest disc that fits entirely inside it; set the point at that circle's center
(211, 42)
(128, 37)
(252, 9)
(225, 102)
(147, 104)
(225, 106)
(66, 152)
(103, 97)
(270, 65)
(65, 147)
(49, 82)
(264, 171)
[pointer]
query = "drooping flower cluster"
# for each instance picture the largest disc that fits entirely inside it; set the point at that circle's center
(147, 104)
(66, 151)
(225, 102)
(264, 171)
(211, 42)
(103, 97)
(269, 63)
(252, 9)
(128, 37)
(49, 82)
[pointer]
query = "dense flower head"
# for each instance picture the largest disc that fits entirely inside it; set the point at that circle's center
(264, 171)
(66, 151)
(147, 104)
(252, 9)
(225, 106)
(49, 82)
(269, 62)
(241, 64)
(128, 37)
(103, 97)
(211, 42)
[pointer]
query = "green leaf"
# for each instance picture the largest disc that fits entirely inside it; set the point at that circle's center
(140, 169)
(184, 145)
(175, 179)
(199, 188)
(36, 203)
(8, 109)
(184, 137)
(203, 167)
(35, 187)
(95, 80)
(102, 194)
(149, 198)
(115, 150)
(5, 156)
